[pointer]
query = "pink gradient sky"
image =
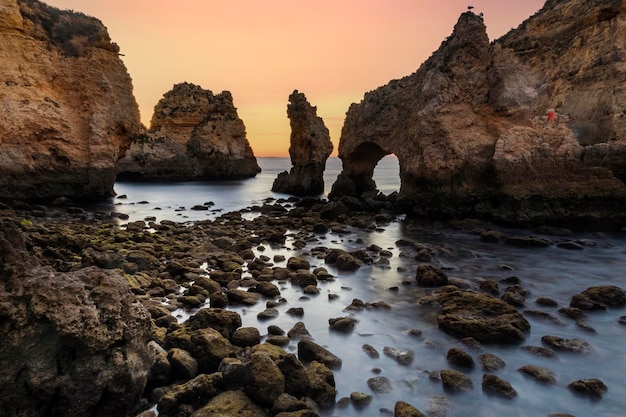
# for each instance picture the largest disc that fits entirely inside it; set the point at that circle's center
(261, 50)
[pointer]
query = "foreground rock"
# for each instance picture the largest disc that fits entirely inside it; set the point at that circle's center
(71, 343)
(497, 130)
(68, 105)
(193, 134)
(310, 147)
(485, 318)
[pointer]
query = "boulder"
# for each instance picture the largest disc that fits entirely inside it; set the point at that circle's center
(591, 387)
(310, 147)
(194, 134)
(322, 384)
(483, 317)
(68, 107)
(454, 381)
(499, 130)
(231, 404)
(309, 351)
(599, 298)
(403, 409)
(195, 392)
(95, 354)
(539, 374)
(266, 382)
(494, 385)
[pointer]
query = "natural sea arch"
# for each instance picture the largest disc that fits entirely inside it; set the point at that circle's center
(359, 166)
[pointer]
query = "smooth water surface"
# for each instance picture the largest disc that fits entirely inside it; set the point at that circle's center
(550, 272)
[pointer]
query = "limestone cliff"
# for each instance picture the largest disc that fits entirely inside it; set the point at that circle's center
(310, 147)
(497, 130)
(193, 134)
(68, 109)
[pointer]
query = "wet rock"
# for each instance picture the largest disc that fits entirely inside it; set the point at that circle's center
(371, 351)
(342, 324)
(303, 278)
(459, 357)
(231, 404)
(309, 351)
(161, 370)
(539, 374)
(268, 314)
(572, 312)
(287, 404)
(246, 336)
(454, 381)
(342, 260)
(485, 318)
(266, 382)
(542, 315)
(491, 362)
(236, 296)
(429, 276)
(208, 346)
(497, 386)
(490, 286)
(380, 384)
(224, 321)
(266, 289)
(311, 290)
(298, 331)
(569, 245)
(322, 384)
(546, 302)
(234, 373)
(295, 263)
(401, 356)
(184, 366)
(194, 392)
(567, 345)
(277, 340)
(592, 387)
(403, 409)
(360, 399)
(599, 298)
(527, 242)
(295, 311)
(539, 351)
(514, 297)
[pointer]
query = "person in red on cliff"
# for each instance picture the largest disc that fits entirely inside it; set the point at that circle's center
(552, 117)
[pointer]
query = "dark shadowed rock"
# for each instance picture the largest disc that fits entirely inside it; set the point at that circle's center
(539, 374)
(459, 357)
(592, 387)
(309, 351)
(310, 147)
(497, 386)
(266, 382)
(322, 384)
(599, 298)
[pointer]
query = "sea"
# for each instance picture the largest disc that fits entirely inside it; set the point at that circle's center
(409, 324)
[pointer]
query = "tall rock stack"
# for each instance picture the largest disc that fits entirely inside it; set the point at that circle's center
(68, 110)
(310, 147)
(194, 134)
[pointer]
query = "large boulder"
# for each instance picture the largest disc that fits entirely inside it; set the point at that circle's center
(193, 134)
(68, 110)
(498, 130)
(310, 147)
(70, 343)
(483, 317)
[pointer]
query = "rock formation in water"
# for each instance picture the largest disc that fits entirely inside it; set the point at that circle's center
(310, 147)
(71, 344)
(193, 134)
(68, 109)
(501, 130)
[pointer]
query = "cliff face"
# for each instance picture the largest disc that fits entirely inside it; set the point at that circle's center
(497, 130)
(68, 107)
(193, 134)
(310, 147)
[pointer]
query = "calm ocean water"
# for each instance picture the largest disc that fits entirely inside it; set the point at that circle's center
(550, 272)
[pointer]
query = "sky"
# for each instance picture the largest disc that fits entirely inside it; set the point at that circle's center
(333, 51)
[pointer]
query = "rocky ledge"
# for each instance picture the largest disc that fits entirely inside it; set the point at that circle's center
(194, 134)
(68, 110)
(528, 129)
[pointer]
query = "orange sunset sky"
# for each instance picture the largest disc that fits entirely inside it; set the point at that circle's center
(261, 50)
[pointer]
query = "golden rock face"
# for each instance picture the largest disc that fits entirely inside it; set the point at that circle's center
(65, 119)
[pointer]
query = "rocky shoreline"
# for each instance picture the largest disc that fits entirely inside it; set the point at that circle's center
(103, 298)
